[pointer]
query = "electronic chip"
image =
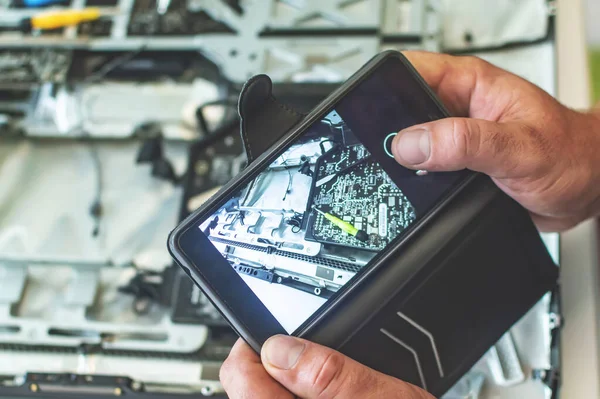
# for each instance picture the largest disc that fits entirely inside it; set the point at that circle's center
(383, 209)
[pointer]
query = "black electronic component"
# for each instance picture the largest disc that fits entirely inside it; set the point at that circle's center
(152, 152)
(296, 222)
(99, 28)
(305, 168)
(263, 274)
(322, 292)
(190, 305)
(177, 20)
(146, 287)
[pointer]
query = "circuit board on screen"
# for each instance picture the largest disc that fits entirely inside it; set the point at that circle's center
(338, 159)
(351, 186)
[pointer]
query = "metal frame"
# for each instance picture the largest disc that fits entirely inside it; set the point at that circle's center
(66, 324)
(282, 45)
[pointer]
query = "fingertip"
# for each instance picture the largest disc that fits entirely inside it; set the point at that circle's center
(241, 348)
(412, 147)
(282, 351)
(320, 371)
(243, 373)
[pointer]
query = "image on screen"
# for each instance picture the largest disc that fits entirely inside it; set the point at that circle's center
(310, 221)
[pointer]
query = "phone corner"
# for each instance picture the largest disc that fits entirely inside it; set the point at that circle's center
(391, 53)
(173, 241)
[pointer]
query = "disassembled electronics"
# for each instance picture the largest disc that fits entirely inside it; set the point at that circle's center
(104, 75)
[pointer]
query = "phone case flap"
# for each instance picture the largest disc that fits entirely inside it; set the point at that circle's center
(263, 120)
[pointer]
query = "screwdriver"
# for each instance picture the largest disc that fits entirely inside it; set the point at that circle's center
(360, 235)
(57, 19)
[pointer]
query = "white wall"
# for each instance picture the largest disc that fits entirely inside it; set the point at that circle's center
(593, 27)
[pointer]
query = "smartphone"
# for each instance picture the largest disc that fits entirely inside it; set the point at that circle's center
(281, 246)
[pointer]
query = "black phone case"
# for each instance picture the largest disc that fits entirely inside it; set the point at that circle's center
(437, 303)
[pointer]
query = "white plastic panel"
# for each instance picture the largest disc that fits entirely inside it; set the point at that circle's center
(493, 23)
(47, 191)
(337, 14)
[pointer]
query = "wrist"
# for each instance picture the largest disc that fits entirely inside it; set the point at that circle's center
(586, 133)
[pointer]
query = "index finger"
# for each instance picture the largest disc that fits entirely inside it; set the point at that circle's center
(243, 376)
(454, 79)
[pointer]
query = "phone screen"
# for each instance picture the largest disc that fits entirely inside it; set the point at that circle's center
(314, 219)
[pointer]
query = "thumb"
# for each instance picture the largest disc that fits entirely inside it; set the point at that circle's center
(311, 371)
(496, 149)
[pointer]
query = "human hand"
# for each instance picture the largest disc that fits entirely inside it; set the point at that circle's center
(538, 151)
(291, 367)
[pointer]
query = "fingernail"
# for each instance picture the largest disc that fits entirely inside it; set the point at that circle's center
(283, 351)
(413, 146)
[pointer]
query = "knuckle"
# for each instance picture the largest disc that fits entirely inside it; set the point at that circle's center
(472, 60)
(480, 71)
(499, 141)
(537, 148)
(540, 143)
(477, 64)
(465, 138)
(327, 379)
(224, 373)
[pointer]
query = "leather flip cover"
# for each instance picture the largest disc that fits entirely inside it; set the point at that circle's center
(263, 120)
(436, 306)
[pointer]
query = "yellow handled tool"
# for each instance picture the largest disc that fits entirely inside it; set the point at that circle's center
(345, 226)
(60, 19)
(57, 19)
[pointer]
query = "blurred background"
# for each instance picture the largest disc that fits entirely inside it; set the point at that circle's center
(118, 118)
(593, 30)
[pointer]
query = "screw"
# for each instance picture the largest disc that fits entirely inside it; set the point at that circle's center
(207, 390)
(201, 167)
(554, 320)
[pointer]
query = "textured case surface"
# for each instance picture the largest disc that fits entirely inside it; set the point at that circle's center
(444, 297)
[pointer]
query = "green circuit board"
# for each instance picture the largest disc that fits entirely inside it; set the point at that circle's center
(362, 195)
